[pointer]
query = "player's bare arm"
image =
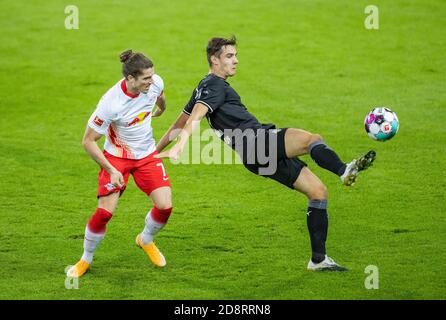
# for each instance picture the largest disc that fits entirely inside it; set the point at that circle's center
(161, 106)
(198, 112)
(90, 145)
(173, 132)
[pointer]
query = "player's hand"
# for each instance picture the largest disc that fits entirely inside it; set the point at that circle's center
(173, 154)
(116, 178)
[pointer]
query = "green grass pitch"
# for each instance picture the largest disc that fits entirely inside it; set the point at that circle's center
(308, 64)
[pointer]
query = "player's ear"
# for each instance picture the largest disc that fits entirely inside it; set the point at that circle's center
(214, 60)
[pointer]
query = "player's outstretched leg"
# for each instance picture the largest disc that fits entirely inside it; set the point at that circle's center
(317, 221)
(355, 166)
(156, 219)
(299, 142)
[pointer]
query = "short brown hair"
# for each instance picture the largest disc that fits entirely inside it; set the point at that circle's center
(215, 45)
(133, 63)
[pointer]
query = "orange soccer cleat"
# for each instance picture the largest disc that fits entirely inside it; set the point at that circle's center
(152, 251)
(79, 269)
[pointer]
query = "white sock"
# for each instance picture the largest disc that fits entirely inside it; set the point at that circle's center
(91, 241)
(151, 229)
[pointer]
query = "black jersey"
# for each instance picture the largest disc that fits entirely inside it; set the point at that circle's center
(253, 141)
(226, 110)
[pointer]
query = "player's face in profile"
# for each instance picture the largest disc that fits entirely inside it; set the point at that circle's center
(228, 61)
(143, 81)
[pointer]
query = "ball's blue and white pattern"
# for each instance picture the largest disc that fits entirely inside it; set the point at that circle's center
(381, 124)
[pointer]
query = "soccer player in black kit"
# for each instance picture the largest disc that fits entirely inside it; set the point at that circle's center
(230, 119)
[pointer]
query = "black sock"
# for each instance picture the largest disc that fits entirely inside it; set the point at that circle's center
(317, 223)
(326, 158)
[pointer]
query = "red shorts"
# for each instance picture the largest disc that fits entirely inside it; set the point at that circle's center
(149, 174)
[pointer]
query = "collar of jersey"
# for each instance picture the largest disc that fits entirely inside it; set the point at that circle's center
(218, 77)
(127, 93)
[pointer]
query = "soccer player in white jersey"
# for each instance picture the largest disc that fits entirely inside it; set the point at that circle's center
(124, 116)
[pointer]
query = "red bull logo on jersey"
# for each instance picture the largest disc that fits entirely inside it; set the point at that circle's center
(139, 119)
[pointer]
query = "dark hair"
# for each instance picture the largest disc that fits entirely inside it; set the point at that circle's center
(215, 45)
(133, 63)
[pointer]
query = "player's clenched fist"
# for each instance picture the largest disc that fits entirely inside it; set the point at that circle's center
(116, 178)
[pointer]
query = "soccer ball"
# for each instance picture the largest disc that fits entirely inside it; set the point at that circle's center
(381, 124)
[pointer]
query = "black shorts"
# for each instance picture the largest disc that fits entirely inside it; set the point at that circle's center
(287, 170)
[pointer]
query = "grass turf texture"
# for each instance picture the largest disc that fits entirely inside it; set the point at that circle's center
(233, 235)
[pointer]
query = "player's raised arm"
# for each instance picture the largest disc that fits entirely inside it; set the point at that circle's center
(198, 112)
(91, 146)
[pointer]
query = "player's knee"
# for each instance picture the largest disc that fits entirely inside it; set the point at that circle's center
(312, 141)
(163, 202)
(162, 198)
(318, 192)
(109, 207)
(164, 205)
(315, 138)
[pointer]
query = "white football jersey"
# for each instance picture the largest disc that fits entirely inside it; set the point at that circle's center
(125, 120)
